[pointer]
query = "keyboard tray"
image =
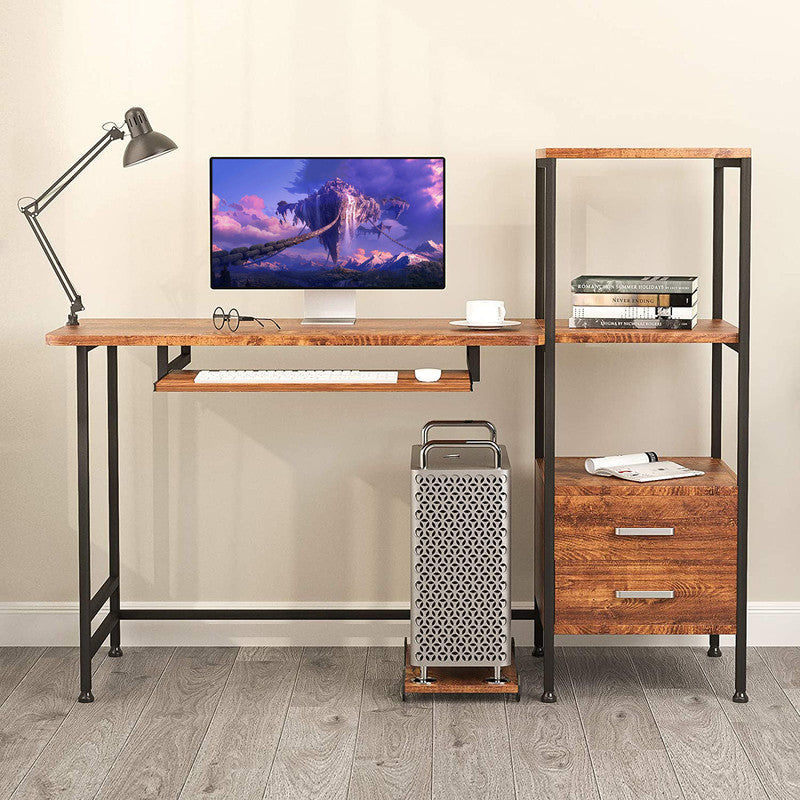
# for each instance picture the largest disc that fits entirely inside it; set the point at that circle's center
(451, 381)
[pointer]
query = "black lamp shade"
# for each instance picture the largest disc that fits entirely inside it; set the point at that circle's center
(145, 143)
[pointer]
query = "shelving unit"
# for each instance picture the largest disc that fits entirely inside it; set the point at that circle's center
(618, 557)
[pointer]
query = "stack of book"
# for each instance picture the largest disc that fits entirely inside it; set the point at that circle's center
(608, 301)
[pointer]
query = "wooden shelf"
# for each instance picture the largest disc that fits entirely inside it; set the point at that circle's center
(706, 331)
(643, 152)
(451, 381)
(573, 479)
(366, 332)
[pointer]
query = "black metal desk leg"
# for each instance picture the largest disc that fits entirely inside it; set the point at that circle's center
(538, 632)
(84, 566)
(113, 495)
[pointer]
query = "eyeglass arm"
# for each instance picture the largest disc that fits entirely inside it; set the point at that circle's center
(258, 320)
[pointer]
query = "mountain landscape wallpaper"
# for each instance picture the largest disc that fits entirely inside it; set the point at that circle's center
(327, 223)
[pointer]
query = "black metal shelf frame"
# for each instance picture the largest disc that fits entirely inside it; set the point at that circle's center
(544, 399)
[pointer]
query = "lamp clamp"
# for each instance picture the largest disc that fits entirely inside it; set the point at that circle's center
(74, 307)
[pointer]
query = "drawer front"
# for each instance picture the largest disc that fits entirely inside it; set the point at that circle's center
(646, 598)
(646, 529)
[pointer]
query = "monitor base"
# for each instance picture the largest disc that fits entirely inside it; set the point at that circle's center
(328, 321)
(329, 307)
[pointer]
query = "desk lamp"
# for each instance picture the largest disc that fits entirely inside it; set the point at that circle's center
(145, 143)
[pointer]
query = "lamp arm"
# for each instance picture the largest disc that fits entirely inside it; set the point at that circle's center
(32, 210)
(66, 284)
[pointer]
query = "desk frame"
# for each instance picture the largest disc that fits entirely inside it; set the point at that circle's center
(91, 605)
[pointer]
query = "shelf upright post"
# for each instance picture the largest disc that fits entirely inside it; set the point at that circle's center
(548, 425)
(716, 308)
(538, 416)
(742, 437)
(716, 348)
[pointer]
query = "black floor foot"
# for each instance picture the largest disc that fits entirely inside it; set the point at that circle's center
(714, 652)
(86, 697)
(740, 697)
(115, 652)
(549, 697)
(538, 651)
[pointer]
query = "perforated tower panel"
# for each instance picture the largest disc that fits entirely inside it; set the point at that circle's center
(460, 543)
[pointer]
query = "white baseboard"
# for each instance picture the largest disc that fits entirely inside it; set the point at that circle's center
(56, 624)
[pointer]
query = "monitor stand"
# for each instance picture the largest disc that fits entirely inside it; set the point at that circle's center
(329, 307)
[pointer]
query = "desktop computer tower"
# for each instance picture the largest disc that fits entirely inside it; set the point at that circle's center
(460, 553)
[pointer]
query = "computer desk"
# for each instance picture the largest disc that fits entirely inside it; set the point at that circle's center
(171, 376)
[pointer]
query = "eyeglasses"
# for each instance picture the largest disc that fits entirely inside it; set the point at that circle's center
(232, 317)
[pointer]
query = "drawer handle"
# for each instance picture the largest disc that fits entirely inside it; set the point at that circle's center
(644, 531)
(646, 594)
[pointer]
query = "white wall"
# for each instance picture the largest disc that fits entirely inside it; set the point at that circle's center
(304, 497)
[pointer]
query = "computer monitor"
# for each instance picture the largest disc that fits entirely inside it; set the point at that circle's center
(328, 226)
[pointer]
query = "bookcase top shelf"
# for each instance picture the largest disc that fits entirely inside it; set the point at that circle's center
(643, 152)
(706, 331)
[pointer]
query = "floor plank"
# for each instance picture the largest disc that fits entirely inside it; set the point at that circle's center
(15, 663)
(628, 755)
(315, 753)
(395, 739)
(79, 756)
(768, 726)
(548, 750)
(471, 749)
(708, 758)
(322, 722)
(33, 712)
(165, 740)
(238, 749)
(784, 664)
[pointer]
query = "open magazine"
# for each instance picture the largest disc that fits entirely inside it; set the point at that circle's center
(639, 468)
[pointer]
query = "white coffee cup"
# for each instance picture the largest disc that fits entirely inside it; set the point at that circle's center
(485, 312)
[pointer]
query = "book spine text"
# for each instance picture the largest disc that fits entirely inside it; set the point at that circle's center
(632, 285)
(640, 324)
(684, 299)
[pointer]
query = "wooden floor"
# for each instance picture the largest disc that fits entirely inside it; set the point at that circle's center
(323, 723)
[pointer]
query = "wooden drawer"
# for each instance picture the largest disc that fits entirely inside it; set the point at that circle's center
(703, 601)
(645, 529)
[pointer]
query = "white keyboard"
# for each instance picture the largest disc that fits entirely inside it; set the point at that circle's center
(293, 376)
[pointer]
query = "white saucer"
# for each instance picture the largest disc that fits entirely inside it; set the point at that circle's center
(506, 323)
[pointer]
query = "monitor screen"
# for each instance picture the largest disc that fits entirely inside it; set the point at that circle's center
(327, 223)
